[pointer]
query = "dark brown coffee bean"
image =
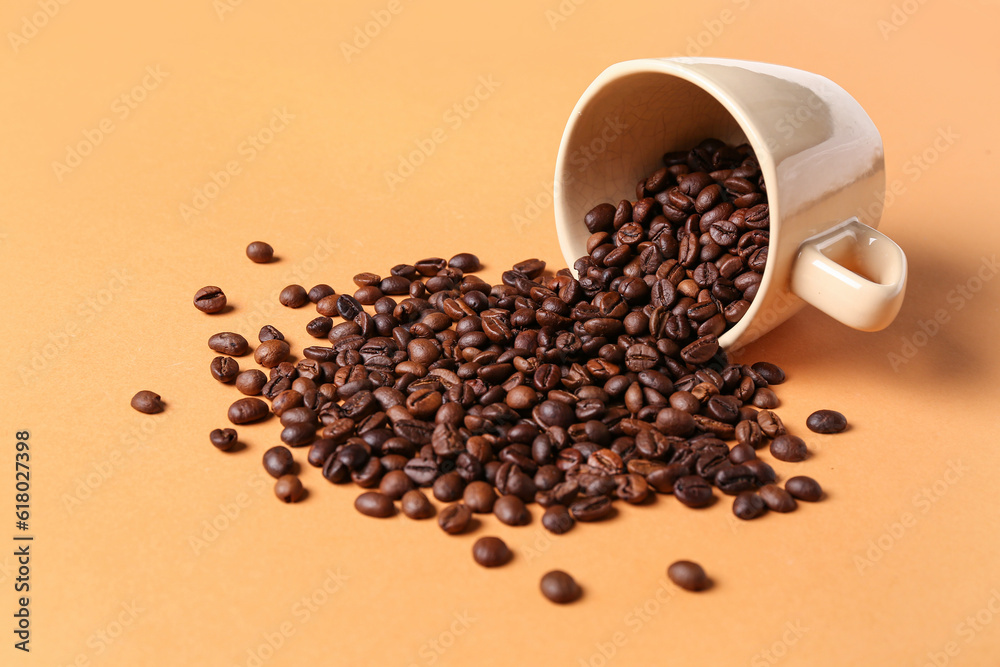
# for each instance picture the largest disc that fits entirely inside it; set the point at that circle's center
(224, 369)
(449, 487)
(770, 423)
(693, 491)
(260, 252)
(688, 575)
(701, 350)
(278, 461)
(229, 343)
(826, 421)
(223, 438)
(415, 505)
(319, 292)
(777, 499)
(454, 519)
(465, 262)
(749, 433)
(789, 448)
(773, 374)
(479, 497)
(736, 479)
(288, 489)
(804, 488)
(559, 587)
(591, 508)
(511, 511)
(247, 410)
(320, 451)
(210, 299)
(491, 552)
(298, 434)
(147, 402)
(270, 353)
(557, 519)
(375, 504)
(765, 473)
(319, 327)
(600, 218)
(662, 479)
(395, 484)
(748, 505)
(293, 296)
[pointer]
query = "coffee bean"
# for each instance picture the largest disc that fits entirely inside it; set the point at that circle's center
(375, 504)
(688, 575)
(511, 511)
(278, 461)
(224, 369)
(293, 296)
(223, 438)
(773, 374)
(591, 509)
(267, 332)
(826, 421)
(693, 491)
(804, 488)
(415, 505)
(557, 519)
(466, 262)
(270, 353)
(395, 484)
(736, 479)
(449, 487)
(260, 252)
(247, 410)
(454, 519)
(320, 451)
(560, 587)
(319, 292)
(662, 480)
(748, 505)
(148, 402)
(777, 498)
(479, 497)
(289, 489)
(229, 343)
(789, 448)
(210, 300)
(297, 435)
(319, 327)
(491, 552)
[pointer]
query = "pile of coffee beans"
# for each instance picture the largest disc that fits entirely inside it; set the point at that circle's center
(569, 390)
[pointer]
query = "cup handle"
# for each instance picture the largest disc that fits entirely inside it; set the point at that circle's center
(866, 302)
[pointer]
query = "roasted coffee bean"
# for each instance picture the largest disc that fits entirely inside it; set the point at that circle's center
(789, 448)
(454, 519)
(415, 505)
(375, 504)
(559, 587)
(773, 374)
(748, 505)
(479, 497)
(631, 488)
(688, 575)
(770, 423)
(260, 252)
(148, 402)
(749, 433)
(491, 551)
(395, 484)
(319, 292)
(693, 491)
(293, 296)
(297, 435)
(826, 421)
(288, 489)
(765, 473)
(592, 508)
(804, 488)
(557, 519)
(736, 479)
(335, 470)
(278, 461)
(511, 511)
(247, 410)
(229, 343)
(320, 451)
(319, 327)
(465, 262)
(449, 487)
(225, 369)
(268, 332)
(776, 498)
(223, 438)
(210, 299)
(662, 480)
(270, 353)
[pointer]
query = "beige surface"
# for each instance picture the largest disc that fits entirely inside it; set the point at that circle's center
(100, 265)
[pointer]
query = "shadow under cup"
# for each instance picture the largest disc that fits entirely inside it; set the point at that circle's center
(634, 113)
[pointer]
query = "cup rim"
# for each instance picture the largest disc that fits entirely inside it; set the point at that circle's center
(678, 67)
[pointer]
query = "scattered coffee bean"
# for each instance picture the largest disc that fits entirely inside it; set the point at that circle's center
(395, 484)
(251, 382)
(491, 552)
(246, 410)
(776, 498)
(804, 488)
(449, 487)
(479, 497)
(270, 353)
(223, 438)
(688, 575)
(267, 332)
(209, 300)
(289, 489)
(826, 421)
(293, 296)
(511, 511)
(319, 292)
(693, 491)
(560, 587)
(454, 519)
(375, 504)
(593, 508)
(790, 448)
(415, 505)
(278, 461)
(465, 262)
(557, 519)
(229, 343)
(260, 252)
(148, 402)
(748, 505)
(225, 369)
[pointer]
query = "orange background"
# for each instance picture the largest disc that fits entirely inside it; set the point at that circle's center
(100, 265)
